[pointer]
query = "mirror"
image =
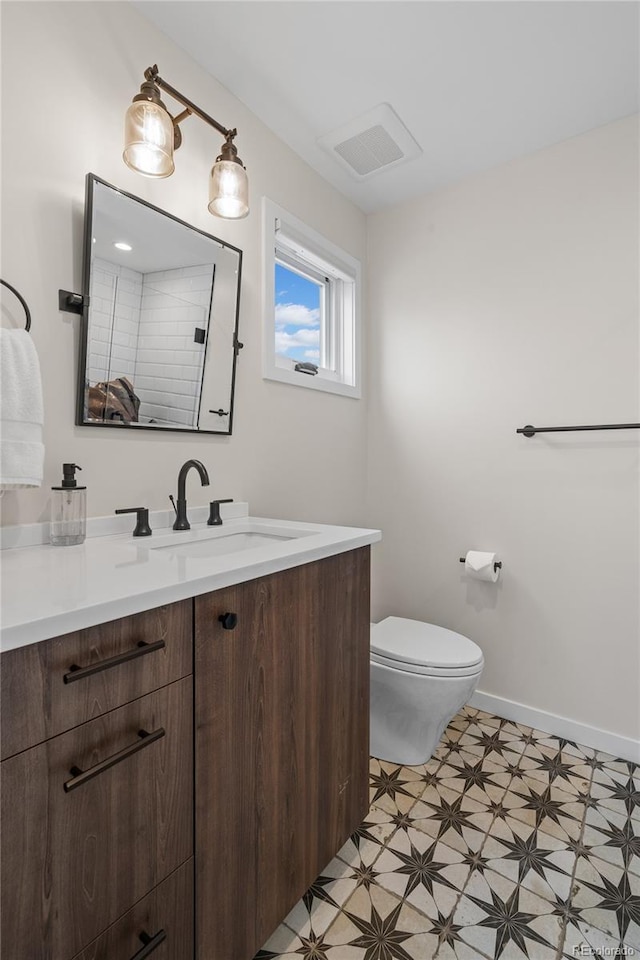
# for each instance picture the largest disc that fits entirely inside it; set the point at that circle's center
(160, 319)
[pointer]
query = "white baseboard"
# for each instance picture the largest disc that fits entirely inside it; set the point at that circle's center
(612, 743)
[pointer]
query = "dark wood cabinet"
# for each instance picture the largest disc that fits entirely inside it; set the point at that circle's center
(163, 921)
(44, 692)
(77, 857)
(100, 797)
(281, 728)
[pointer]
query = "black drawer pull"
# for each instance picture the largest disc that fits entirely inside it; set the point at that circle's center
(81, 776)
(79, 673)
(149, 944)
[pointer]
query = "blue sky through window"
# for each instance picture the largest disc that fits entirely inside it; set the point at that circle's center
(298, 304)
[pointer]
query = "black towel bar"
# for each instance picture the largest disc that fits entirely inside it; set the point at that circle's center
(530, 431)
(22, 301)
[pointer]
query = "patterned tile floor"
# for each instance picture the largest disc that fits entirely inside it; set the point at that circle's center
(509, 843)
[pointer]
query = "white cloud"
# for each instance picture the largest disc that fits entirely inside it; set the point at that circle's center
(312, 354)
(301, 338)
(297, 315)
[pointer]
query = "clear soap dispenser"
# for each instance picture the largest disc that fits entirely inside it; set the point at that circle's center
(68, 509)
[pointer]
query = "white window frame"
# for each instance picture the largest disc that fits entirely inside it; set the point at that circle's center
(288, 240)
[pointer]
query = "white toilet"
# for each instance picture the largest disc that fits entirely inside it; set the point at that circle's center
(421, 675)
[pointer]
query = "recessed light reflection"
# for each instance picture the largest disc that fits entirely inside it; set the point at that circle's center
(120, 245)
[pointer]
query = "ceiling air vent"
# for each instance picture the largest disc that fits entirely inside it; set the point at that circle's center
(375, 141)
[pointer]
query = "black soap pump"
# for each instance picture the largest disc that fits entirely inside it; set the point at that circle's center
(68, 509)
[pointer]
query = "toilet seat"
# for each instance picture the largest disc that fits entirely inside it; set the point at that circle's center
(413, 646)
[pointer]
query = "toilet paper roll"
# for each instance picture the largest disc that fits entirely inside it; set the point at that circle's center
(480, 565)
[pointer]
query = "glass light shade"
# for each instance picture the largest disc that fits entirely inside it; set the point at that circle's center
(148, 139)
(228, 190)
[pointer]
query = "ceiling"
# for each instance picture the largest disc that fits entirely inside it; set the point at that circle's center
(477, 82)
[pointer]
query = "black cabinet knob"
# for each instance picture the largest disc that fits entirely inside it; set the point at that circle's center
(229, 621)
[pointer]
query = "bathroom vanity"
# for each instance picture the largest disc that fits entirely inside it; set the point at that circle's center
(173, 780)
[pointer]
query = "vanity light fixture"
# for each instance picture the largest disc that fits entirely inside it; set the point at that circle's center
(152, 134)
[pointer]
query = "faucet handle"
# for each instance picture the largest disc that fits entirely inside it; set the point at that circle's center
(215, 520)
(142, 528)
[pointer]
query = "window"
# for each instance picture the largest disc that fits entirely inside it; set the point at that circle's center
(311, 307)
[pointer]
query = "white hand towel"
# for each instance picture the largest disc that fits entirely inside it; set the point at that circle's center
(21, 412)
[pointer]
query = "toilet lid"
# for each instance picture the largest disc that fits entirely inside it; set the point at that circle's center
(423, 644)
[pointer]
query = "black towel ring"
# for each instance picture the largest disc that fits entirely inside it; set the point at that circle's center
(22, 301)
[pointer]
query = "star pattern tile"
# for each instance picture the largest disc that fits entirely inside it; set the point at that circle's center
(619, 791)
(380, 936)
(555, 744)
(321, 902)
(490, 747)
(563, 770)
(365, 842)
(422, 871)
(504, 920)
(609, 898)
(393, 788)
(312, 948)
(613, 837)
(621, 766)
(509, 844)
(383, 927)
(445, 929)
(548, 808)
(481, 779)
(530, 858)
(453, 818)
(449, 745)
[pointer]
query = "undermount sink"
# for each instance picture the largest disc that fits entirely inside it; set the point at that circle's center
(217, 541)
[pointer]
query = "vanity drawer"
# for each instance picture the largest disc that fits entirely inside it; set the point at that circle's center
(164, 918)
(92, 821)
(44, 693)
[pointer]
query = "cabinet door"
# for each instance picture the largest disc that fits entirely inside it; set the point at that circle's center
(55, 685)
(161, 923)
(79, 849)
(282, 730)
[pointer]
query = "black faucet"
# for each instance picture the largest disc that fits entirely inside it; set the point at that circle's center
(181, 508)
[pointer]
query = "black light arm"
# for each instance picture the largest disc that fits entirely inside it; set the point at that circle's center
(151, 74)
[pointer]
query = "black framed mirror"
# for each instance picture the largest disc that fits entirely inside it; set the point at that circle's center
(160, 319)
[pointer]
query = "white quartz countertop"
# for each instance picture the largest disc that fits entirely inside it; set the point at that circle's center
(48, 591)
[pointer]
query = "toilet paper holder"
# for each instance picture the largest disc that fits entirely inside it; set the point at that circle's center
(497, 565)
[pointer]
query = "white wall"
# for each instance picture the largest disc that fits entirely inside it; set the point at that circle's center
(77, 66)
(513, 299)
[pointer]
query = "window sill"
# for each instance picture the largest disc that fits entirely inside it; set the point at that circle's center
(308, 382)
